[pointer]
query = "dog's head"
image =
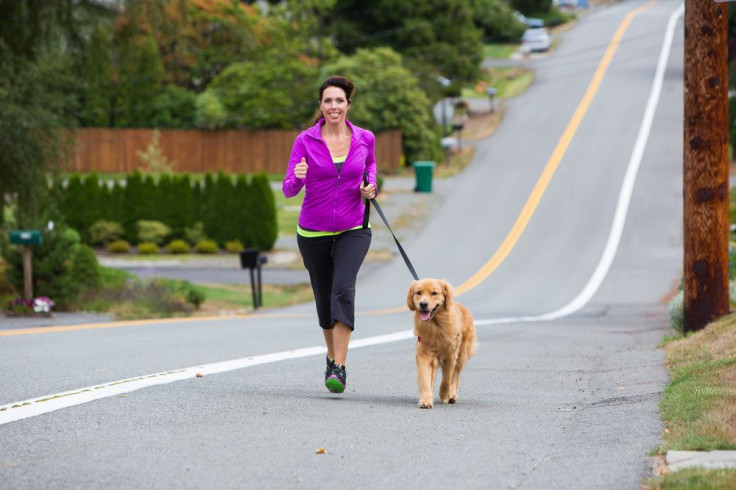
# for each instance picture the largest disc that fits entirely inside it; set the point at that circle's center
(426, 296)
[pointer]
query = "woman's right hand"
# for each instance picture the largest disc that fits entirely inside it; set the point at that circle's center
(300, 171)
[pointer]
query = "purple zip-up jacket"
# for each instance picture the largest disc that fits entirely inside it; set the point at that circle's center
(332, 201)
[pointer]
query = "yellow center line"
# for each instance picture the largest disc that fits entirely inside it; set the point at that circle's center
(136, 323)
(487, 269)
(554, 161)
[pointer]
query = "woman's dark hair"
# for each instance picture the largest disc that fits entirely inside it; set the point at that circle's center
(334, 81)
(339, 82)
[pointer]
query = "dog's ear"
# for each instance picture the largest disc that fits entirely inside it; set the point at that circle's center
(447, 292)
(410, 297)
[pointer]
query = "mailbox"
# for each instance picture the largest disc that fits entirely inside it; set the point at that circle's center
(250, 258)
(26, 237)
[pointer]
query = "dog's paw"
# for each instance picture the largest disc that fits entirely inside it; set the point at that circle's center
(452, 399)
(425, 404)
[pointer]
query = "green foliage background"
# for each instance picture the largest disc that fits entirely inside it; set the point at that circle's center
(231, 208)
(211, 64)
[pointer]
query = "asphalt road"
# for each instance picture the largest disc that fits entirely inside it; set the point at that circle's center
(564, 403)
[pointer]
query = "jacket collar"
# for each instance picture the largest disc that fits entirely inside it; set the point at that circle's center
(315, 131)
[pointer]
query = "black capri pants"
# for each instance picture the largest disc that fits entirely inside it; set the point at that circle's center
(333, 263)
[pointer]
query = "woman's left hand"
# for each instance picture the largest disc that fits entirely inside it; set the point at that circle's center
(368, 191)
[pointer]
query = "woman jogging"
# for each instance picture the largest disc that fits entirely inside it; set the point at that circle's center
(330, 160)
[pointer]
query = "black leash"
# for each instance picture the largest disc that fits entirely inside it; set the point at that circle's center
(366, 217)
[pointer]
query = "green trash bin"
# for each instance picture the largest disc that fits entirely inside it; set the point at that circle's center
(423, 172)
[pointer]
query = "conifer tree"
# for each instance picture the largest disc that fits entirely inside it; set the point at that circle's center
(184, 197)
(71, 205)
(89, 200)
(242, 214)
(263, 209)
(133, 205)
(218, 222)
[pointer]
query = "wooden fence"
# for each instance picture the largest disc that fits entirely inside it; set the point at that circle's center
(117, 150)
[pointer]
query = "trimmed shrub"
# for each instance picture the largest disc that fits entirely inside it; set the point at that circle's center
(194, 295)
(116, 211)
(263, 210)
(140, 202)
(234, 246)
(243, 213)
(147, 248)
(218, 210)
(118, 247)
(85, 271)
(178, 247)
(51, 263)
(71, 206)
(103, 232)
(195, 234)
(177, 203)
(152, 231)
(206, 247)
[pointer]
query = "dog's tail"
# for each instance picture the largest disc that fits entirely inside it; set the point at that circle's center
(471, 346)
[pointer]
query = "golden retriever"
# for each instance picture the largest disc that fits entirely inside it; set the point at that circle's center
(445, 337)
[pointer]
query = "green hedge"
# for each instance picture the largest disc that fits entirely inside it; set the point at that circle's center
(229, 207)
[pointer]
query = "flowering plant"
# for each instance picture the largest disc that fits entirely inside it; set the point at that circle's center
(42, 304)
(20, 306)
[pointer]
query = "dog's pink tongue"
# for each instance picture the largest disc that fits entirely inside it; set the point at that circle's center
(424, 315)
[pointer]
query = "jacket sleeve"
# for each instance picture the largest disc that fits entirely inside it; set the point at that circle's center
(292, 185)
(370, 162)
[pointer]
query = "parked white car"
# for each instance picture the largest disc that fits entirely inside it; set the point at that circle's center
(536, 39)
(530, 22)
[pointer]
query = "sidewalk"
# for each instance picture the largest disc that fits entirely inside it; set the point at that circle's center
(55, 320)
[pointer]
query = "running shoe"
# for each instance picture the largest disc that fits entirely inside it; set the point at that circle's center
(330, 367)
(337, 380)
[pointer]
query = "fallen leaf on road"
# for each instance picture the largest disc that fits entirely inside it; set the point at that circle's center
(321, 451)
(199, 375)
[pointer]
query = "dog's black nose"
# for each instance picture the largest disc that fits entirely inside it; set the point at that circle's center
(423, 305)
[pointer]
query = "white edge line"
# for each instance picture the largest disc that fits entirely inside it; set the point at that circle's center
(49, 403)
(45, 404)
(627, 189)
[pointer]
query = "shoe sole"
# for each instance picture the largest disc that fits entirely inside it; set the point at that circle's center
(334, 385)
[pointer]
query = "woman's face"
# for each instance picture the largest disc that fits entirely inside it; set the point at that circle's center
(334, 105)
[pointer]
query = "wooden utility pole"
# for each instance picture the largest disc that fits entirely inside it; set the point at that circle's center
(705, 163)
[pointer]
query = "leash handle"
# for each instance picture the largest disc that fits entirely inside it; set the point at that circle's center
(380, 213)
(367, 213)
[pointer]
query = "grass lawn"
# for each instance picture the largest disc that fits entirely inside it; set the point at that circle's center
(698, 405)
(510, 82)
(695, 478)
(128, 298)
(499, 51)
(233, 297)
(287, 212)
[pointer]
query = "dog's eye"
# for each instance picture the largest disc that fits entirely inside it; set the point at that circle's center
(434, 293)
(418, 292)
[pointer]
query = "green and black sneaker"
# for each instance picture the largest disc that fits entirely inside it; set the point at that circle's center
(330, 367)
(337, 380)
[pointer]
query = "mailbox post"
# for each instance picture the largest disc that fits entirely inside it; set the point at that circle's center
(26, 238)
(459, 128)
(250, 258)
(491, 93)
